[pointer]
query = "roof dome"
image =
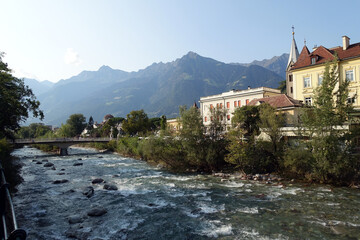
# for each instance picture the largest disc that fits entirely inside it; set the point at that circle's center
(107, 117)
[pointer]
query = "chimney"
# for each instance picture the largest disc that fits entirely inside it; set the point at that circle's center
(315, 47)
(248, 87)
(346, 42)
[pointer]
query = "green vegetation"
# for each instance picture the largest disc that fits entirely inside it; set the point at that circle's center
(328, 154)
(282, 86)
(16, 102)
(34, 130)
(73, 127)
(137, 122)
(248, 153)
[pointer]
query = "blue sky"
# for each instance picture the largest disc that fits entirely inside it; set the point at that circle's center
(53, 40)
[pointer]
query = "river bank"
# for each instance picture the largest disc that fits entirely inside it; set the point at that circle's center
(142, 150)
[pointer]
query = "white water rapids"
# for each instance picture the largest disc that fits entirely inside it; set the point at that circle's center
(151, 203)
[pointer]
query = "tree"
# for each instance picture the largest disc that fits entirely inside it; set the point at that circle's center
(16, 102)
(192, 136)
(90, 124)
(136, 122)
(191, 122)
(111, 126)
(329, 144)
(163, 123)
(247, 153)
(247, 118)
(282, 86)
(270, 122)
(155, 123)
(34, 130)
(217, 126)
(65, 131)
(76, 123)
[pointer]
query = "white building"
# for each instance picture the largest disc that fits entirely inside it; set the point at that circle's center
(231, 100)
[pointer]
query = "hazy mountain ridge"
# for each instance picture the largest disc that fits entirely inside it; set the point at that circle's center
(38, 87)
(276, 64)
(158, 89)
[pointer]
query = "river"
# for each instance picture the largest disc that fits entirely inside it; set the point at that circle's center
(151, 203)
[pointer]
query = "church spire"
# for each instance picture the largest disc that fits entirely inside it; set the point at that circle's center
(294, 53)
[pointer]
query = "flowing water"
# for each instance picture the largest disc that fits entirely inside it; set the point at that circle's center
(151, 203)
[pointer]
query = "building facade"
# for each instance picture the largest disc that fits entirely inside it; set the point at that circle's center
(228, 102)
(306, 74)
(283, 104)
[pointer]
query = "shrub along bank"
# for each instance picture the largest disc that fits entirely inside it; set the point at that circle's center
(10, 165)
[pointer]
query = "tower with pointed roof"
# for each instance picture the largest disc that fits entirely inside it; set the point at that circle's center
(293, 57)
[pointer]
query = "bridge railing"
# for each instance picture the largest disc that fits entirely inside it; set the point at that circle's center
(54, 140)
(7, 212)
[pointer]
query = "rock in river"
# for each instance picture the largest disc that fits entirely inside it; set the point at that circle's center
(48, 164)
(97, 180)
(88, 191)
(60, 181)
(75, 219)
(110, 187)
(78, 164)
(96, 212)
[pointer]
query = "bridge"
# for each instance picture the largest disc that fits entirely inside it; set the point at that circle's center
(62, 143)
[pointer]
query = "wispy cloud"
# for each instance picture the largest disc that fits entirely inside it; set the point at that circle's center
(21, 73)
(72, 57)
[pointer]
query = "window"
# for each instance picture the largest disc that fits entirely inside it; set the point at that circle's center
(247, 101)
(290, 78)
(291, 89)
(211, 106)
(307, 82)
(228, 117)
(235, 103)
(228, 105)
(349, 75)
(205, 119)
(351, 100)
(221, 105)
(320, 79)
(212, 119)
(308, 101)
(221, 117)
(313, 60)
(239, 103)
(217, 105)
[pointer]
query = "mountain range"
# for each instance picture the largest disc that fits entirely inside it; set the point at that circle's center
(158, 89)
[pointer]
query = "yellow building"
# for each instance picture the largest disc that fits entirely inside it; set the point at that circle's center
(305, 72)
(173, 125)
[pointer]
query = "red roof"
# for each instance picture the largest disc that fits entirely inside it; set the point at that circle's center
(322, 55)
(278, 101)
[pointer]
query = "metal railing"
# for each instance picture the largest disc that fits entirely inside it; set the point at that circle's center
(7, 211)
(54, 140)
